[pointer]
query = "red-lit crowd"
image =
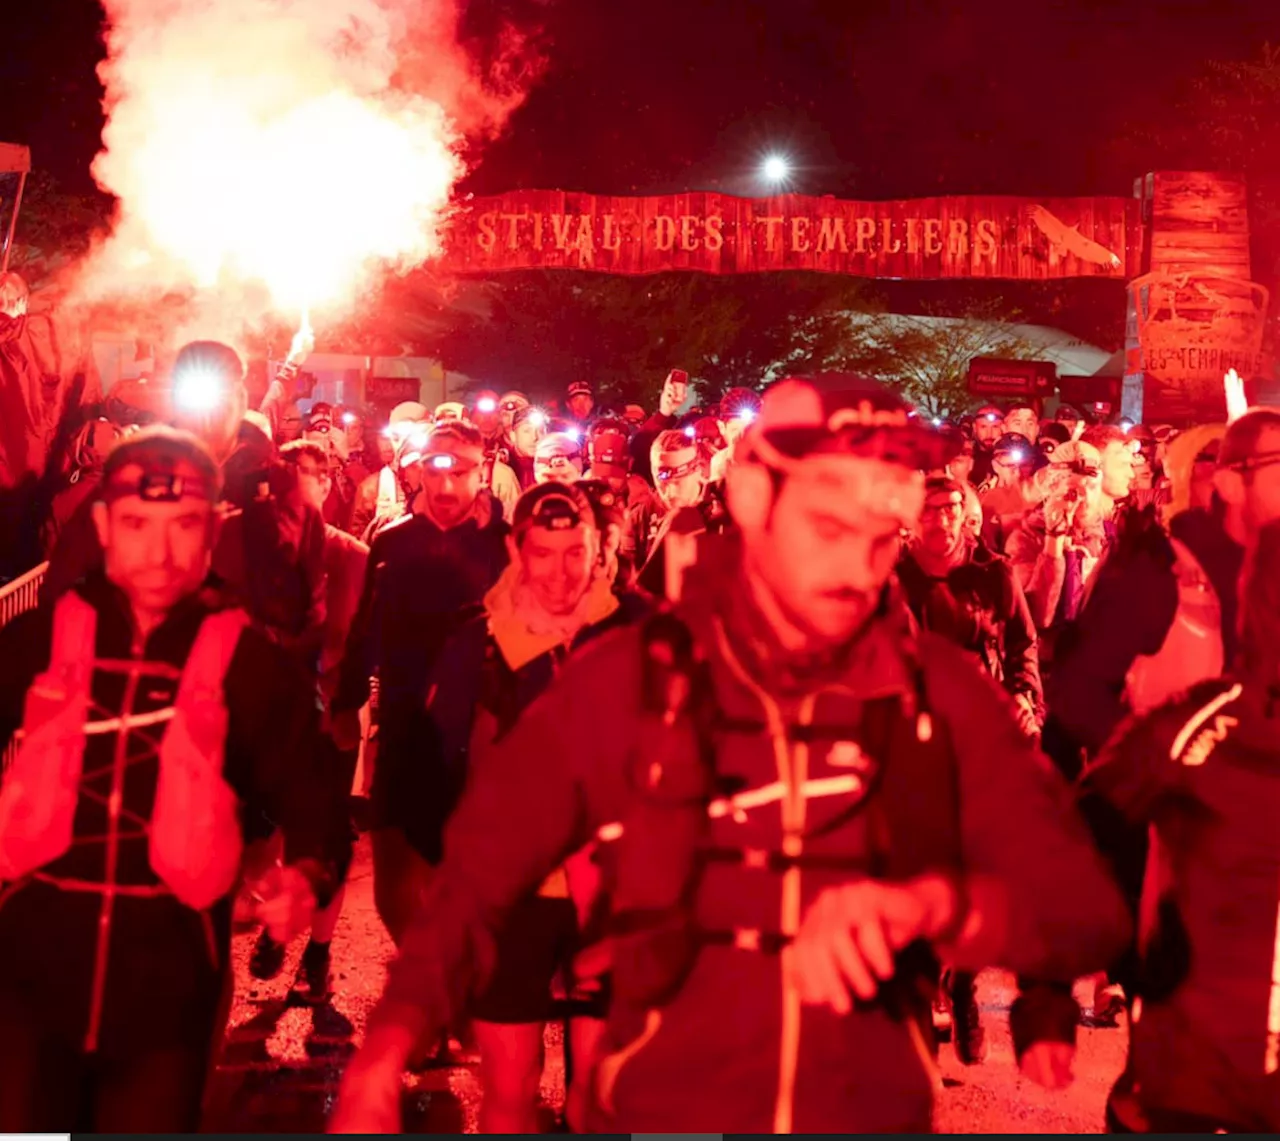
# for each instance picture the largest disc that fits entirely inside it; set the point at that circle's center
(745, 733)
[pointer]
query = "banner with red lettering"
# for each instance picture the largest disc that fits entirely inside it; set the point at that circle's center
(994, 237)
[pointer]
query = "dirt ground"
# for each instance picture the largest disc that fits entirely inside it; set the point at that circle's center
(282, 1062)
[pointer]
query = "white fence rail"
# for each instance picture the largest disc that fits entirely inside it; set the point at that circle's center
(17, 597)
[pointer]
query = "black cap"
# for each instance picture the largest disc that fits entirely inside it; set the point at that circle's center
(847, 414)
(553, 506)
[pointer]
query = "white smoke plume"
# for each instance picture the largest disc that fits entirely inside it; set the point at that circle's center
(270, 156)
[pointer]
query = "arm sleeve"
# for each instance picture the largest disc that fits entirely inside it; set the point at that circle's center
(1021, 645)
(1040, 575)
(357, 657)
(1042, 902)
(516, 823)
(1134, 770)
(279, 762)
(1129, 612)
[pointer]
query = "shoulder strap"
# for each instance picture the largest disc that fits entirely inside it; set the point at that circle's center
(211, 653)
(75, 626)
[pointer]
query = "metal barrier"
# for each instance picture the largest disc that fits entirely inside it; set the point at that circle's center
(20, 595)
(17, 597)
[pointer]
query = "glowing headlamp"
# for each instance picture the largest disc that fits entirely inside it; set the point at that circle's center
(747, 414)
(573, 433)
(198, 390)
(937, 421)
(1017, 456)
(537, 418)
(991, 417)
(486, 405)
(349, 418)
(691, 432)
(444, 462)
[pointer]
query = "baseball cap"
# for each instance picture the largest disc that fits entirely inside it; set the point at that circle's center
(454, 444)
(320, 418)
(513, 400)
(450, 410)
(1013, 447)
(1077, 456)
(609, 452)
(554, 506)
(558, 444)
(848, 414)
(579, 388)
(943, 486)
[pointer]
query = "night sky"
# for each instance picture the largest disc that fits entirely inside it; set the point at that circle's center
(874, 98)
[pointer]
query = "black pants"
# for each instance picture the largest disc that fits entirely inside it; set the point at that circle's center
(49, 1085)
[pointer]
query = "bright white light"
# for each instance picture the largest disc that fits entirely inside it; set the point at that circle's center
(486, 404)
(198, 390)
(573, 434)
(690, 431)
(937, 421)
(537, 418)
(747, 414)
(775, 168)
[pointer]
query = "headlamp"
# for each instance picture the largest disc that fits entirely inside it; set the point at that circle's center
(487, 405)
(198, 390)
(1016, 456)
(349, 418)
(537, 418)
(444, 462)
(747, 414)
(691, 432)
(573, 433)
(991, 417)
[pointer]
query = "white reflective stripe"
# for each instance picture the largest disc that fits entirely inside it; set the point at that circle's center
(111, 724)
(133, 721)
(1272, 1060)
(1192, 727)
(755, 798)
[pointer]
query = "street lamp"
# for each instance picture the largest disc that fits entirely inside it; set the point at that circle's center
(775, 169)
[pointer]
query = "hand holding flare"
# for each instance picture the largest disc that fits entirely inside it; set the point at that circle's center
(1237, 401)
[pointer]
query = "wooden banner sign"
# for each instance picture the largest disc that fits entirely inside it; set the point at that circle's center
(972, 237)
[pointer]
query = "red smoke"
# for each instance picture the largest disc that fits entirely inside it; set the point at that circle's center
(285, 151)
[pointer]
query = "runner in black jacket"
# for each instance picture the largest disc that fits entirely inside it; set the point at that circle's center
(1204, 772)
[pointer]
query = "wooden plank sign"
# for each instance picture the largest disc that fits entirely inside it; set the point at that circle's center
(966, 237)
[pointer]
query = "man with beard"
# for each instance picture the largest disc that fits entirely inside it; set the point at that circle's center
(426, 572)
(155, 719)
(988, 427)
(1008, 494)
(758, 794)
(958, 589)
(1117, 450)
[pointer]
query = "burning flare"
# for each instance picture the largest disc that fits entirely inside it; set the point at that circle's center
(294, 146)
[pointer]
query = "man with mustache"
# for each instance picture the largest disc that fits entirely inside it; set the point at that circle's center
(799, 799)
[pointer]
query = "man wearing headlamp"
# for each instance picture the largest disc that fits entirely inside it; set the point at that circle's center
(156, 720)
(802, 797)
(425, 570)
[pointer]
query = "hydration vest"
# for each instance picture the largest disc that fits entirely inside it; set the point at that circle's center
(663, 846)
(195, 840)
